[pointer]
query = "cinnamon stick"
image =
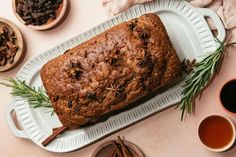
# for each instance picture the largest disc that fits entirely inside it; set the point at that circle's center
(55, 129)
(124, 148)
(55, 133)
(118, 152)
(113, 153)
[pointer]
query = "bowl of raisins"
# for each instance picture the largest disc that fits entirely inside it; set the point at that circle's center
(40, 14)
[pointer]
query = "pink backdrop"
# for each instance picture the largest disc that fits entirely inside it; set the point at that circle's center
(162, 134)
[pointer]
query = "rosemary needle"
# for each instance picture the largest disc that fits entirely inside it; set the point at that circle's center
(199, 77)
(36, 98)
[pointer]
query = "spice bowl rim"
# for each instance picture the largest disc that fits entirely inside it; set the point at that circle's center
(48, 26)
(226, 147)
(20, 42)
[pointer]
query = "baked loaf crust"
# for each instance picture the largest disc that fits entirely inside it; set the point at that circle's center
(110, 71)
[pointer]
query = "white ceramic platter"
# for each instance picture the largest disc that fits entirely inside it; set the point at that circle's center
(191, 38)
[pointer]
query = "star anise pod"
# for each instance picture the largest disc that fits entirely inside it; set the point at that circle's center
(8, 47)
(113, 58)
(75, 69)
(75, 63)
(131, 25)
(115, 50)
(187, 65)
(116, 89)
(75, 73)
(142, 32)
(144, 59)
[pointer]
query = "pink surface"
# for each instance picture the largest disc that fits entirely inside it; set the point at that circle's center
(161, 135)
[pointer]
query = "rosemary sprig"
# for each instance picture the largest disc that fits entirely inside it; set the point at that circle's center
(199, 77)
(36, 98)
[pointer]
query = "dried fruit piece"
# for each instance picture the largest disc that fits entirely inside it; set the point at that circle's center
(70, 103)
(91, 96)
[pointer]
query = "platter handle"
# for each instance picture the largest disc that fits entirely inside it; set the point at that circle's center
(217, 22)
(15, 131)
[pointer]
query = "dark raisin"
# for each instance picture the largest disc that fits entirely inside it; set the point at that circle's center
(91, 96)
(37, 12)
(55, 98)
(78, 73)
(113, 61)
(142, 85)
(132, 25)
(76, 108)
(69, 103)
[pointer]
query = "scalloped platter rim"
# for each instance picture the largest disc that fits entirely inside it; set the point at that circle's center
(187, 29)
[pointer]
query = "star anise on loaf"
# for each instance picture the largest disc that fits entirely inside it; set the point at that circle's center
(75, 69)
(116, 89)
(142, 32)
(144, 59)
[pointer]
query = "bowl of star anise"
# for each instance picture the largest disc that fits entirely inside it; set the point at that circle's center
(11, 45)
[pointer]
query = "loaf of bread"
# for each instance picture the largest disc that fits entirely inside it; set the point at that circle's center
(110, 71)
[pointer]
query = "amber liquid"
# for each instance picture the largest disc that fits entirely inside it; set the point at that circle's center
(215, 132)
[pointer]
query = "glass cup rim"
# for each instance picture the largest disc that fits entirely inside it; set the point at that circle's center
(226, 147)
(221, 89)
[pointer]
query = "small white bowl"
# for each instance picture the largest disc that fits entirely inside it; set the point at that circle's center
(229, 145)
